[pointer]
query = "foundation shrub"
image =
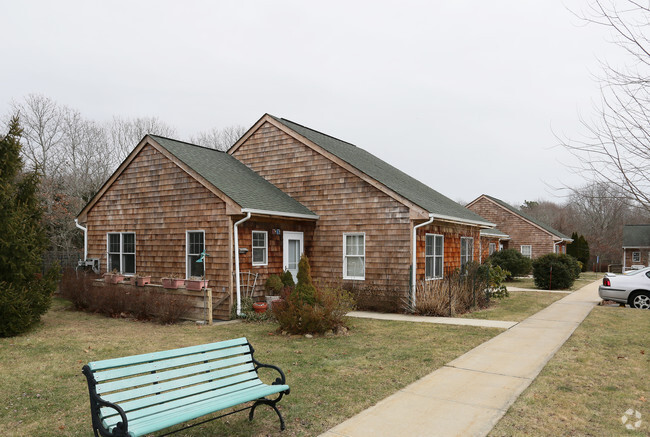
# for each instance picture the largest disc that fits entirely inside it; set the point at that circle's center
(170, 308)
(307, 309)
(287, 279)
(455, 293)
(118, 301)
(274, 285)
(248, 314)
(565, 270)
(511, 261)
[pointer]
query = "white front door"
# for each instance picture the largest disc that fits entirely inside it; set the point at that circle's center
(292, 249)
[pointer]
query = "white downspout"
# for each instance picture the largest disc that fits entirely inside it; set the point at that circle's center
(414, 263)
(248, 215)
(76, 222)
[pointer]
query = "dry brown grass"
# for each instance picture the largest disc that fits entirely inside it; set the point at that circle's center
(599, 373)
(44, 393)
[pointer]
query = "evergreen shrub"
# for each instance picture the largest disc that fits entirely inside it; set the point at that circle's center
(555, 271)
(511, 261)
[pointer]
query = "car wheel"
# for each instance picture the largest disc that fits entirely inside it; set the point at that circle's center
(641, 300)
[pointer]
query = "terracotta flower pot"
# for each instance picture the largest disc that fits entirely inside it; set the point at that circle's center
(142, 281)
(195, 284)
(260, 307)
(113, 278)
(172, 283)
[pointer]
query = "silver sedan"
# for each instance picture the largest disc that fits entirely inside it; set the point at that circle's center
(631, 288)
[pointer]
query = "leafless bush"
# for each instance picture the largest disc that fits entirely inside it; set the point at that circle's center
(117, 301)
(456, 293)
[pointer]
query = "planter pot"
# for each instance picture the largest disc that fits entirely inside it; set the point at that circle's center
(271, 299)
(260, 307)
(142, 281)
(112, 278)
(195, 284)
(172, 283)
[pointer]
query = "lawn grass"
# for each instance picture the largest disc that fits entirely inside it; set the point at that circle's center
(599, 373)
(44, 393)
(584, 279)
(519, 306)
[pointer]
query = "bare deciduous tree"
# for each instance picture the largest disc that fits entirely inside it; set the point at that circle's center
(41, 120)
(126, 133)
(615, 149)
(220, 139)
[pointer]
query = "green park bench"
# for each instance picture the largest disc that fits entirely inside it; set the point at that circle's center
(141, 394)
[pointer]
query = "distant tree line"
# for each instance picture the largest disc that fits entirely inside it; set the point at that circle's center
(594, 215)
(75, 156)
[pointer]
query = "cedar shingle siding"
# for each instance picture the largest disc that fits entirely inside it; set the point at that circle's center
(288, 182)
(344, 203)
(158, 201)
(521, 231)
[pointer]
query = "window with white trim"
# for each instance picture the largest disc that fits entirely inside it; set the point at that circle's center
(354, 256)
(492, 247)
(466, 250)
(195, 246)
(636, 257)
(527, 250)
(120, 248)
(434, 250)
(260, 248)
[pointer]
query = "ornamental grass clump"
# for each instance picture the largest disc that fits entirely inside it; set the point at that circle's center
(308, 309)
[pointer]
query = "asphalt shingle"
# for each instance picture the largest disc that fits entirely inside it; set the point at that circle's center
(396, 180)
(233, 178)
(636, 236)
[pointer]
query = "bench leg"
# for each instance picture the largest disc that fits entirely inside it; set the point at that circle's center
(272, 405)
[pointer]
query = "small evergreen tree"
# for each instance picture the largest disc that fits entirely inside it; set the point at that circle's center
(305, 289)
(25, 294)
(579, 249)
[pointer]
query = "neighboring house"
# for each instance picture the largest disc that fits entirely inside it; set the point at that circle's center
(281, 190)
(528, 235)
(636, 246)
(492, 240)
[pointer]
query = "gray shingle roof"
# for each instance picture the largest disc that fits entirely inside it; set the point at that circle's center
(636, 236)
(396, 180)
(494, 232)
(233, 178)
(529, 218)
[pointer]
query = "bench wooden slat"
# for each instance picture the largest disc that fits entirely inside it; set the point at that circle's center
(159, 377)
(244, 380)
(167, 419)
(183, 401)
(156, 356)
(123, 372)
(121, 396)
(150, 392)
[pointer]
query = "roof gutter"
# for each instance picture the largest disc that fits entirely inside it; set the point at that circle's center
(280, 214)
(464, 221)
(237, 280)
(76, 223)
(414, 262)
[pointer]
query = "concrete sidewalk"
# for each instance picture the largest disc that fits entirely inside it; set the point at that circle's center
(469, 395)
(429, 319)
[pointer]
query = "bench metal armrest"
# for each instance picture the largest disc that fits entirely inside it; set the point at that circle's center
(121, 429)
(278, 381)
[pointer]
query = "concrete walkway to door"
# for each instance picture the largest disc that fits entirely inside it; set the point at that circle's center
(469, 395)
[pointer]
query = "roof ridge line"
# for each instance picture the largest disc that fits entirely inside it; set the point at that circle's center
(186, 142)
(322, 133)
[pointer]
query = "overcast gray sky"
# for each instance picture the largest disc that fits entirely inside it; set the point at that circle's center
(462, 95)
